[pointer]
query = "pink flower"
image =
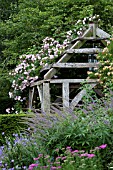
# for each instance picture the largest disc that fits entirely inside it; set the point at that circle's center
(90, 155)
(57, 150)
(103, 146)
(53, 168)
(58, 157)
(63, 157)
(75, 151)
(32, 166)
(68, 147)
(84, 154)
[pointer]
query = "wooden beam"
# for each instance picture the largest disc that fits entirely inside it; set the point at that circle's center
(37, 83)
(79, 96)
(66, 57)
(102, 34)
(72, 80)
(40, 92)
(31, 93)
(89, 39)
(65, 95)
(75, 65)
(84, 50)
(46, 98)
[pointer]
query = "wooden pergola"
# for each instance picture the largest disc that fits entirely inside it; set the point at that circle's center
(93, 33)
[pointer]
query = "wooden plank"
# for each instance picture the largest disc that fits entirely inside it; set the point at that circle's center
(66, 56)
(89, 39)
(79, 96)
(31, 93)
(75, 65)
(37, 83)
(84, 50)
(65, 94)
(72, 80)
(93, 26)
(102, 34)
(94, 30)
(46, 98)
(40, 92)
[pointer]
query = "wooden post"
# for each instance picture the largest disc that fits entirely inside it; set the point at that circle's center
(93, 26)
(40, 92)
(65, 94)
(31, 93)
(46, 98)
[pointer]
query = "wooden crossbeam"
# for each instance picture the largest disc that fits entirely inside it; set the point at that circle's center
(66, 56)
(79, 96)
(37, 83)
(89, 39)
(84, 50)
(75, 65)
(73, 80)
(64, 80)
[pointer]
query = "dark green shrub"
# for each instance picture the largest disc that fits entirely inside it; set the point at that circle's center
(11, 123)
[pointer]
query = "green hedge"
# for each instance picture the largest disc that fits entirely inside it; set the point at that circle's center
(11, 123)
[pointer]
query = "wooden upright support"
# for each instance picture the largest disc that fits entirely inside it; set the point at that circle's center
(46, 98)
(65, 94)
(31, 93)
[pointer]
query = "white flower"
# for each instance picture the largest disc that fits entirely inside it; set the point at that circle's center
(8, 110)
(10, 94)
(51, 56)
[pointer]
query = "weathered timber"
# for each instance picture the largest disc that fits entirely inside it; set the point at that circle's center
(65, 94)
(84, 50)
(40, 91)
(79, 96)
(46, 98)
(31, 93)
(66, 57)
(75, 65)
(37, 83)
(72, 80)
(94, 26)
(89, 39)
(102, 34)
(62, 81)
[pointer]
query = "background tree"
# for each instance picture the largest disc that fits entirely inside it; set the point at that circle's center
(25, 23)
